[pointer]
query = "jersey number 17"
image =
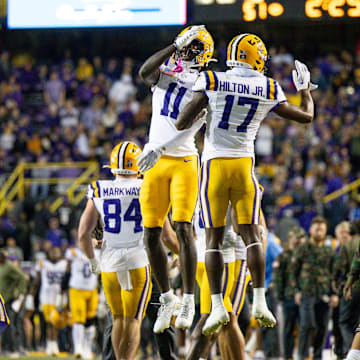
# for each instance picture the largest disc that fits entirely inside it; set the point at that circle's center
(224, 123)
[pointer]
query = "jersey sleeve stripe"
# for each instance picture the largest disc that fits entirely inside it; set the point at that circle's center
(272, 89)
(214, 82)
(94, 186)
(276, 89)
(98, 188)
(267, 88)
(73, 252)
(207, 80)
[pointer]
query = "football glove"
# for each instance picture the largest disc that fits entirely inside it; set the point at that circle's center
(301, 77)
(148, 158)
(94, 266)
(186, 38)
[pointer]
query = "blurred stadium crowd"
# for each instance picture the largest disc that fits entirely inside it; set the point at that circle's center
(78, 109)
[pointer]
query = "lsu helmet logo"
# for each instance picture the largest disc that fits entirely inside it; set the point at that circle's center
(122, 158)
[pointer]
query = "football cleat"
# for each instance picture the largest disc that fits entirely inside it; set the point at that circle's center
(165, 313)
(185, 314)
(263, 315)
(218, 316)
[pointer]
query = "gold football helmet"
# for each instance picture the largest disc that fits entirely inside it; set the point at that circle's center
(247, 50)
(200, 50)
(122, 158)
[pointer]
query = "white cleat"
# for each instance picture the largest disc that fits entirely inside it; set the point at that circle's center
(263, 315)
(185, 314)
(218, 316)
(48, 349)
(55, 349)
(165, 313)
(87, 354)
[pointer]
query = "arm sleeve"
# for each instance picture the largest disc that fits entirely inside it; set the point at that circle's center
(90, 194)
(295, 268)
(280, 96)
(182, 135)
(200, 83)
(20, 277)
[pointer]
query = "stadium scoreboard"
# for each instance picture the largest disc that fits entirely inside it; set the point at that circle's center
(265, 10)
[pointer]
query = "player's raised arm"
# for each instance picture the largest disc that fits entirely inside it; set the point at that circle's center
(87, 224)
(305, 112)
(191, 111)
(150, 70)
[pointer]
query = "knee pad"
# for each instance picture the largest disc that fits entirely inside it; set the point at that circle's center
(357, 329)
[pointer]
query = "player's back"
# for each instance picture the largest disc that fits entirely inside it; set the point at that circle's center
(238, 102)
(117, 202)
(81, 276)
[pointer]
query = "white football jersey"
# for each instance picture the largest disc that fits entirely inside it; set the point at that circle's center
(51, 277)
(170, 95)
(239, 100)
(229, 237)
(117, 202)
(81, 277)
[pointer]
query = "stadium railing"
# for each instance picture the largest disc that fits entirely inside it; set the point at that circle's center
(22, 176)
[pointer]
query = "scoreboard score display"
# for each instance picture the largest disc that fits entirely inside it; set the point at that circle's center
(257, 10)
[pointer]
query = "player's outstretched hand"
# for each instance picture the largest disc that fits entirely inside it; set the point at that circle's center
(149, 157)
(189, 35)
(301, 77)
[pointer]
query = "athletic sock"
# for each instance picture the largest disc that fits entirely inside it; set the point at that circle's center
(217, 300)
(89, 338)
(259, 296)
(78, 334)
(167, 296)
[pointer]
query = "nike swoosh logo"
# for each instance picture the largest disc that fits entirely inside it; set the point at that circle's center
(187, 160)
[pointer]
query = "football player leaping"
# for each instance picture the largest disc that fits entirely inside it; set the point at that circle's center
(173, 181)
(238, 100)
(124, 265)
